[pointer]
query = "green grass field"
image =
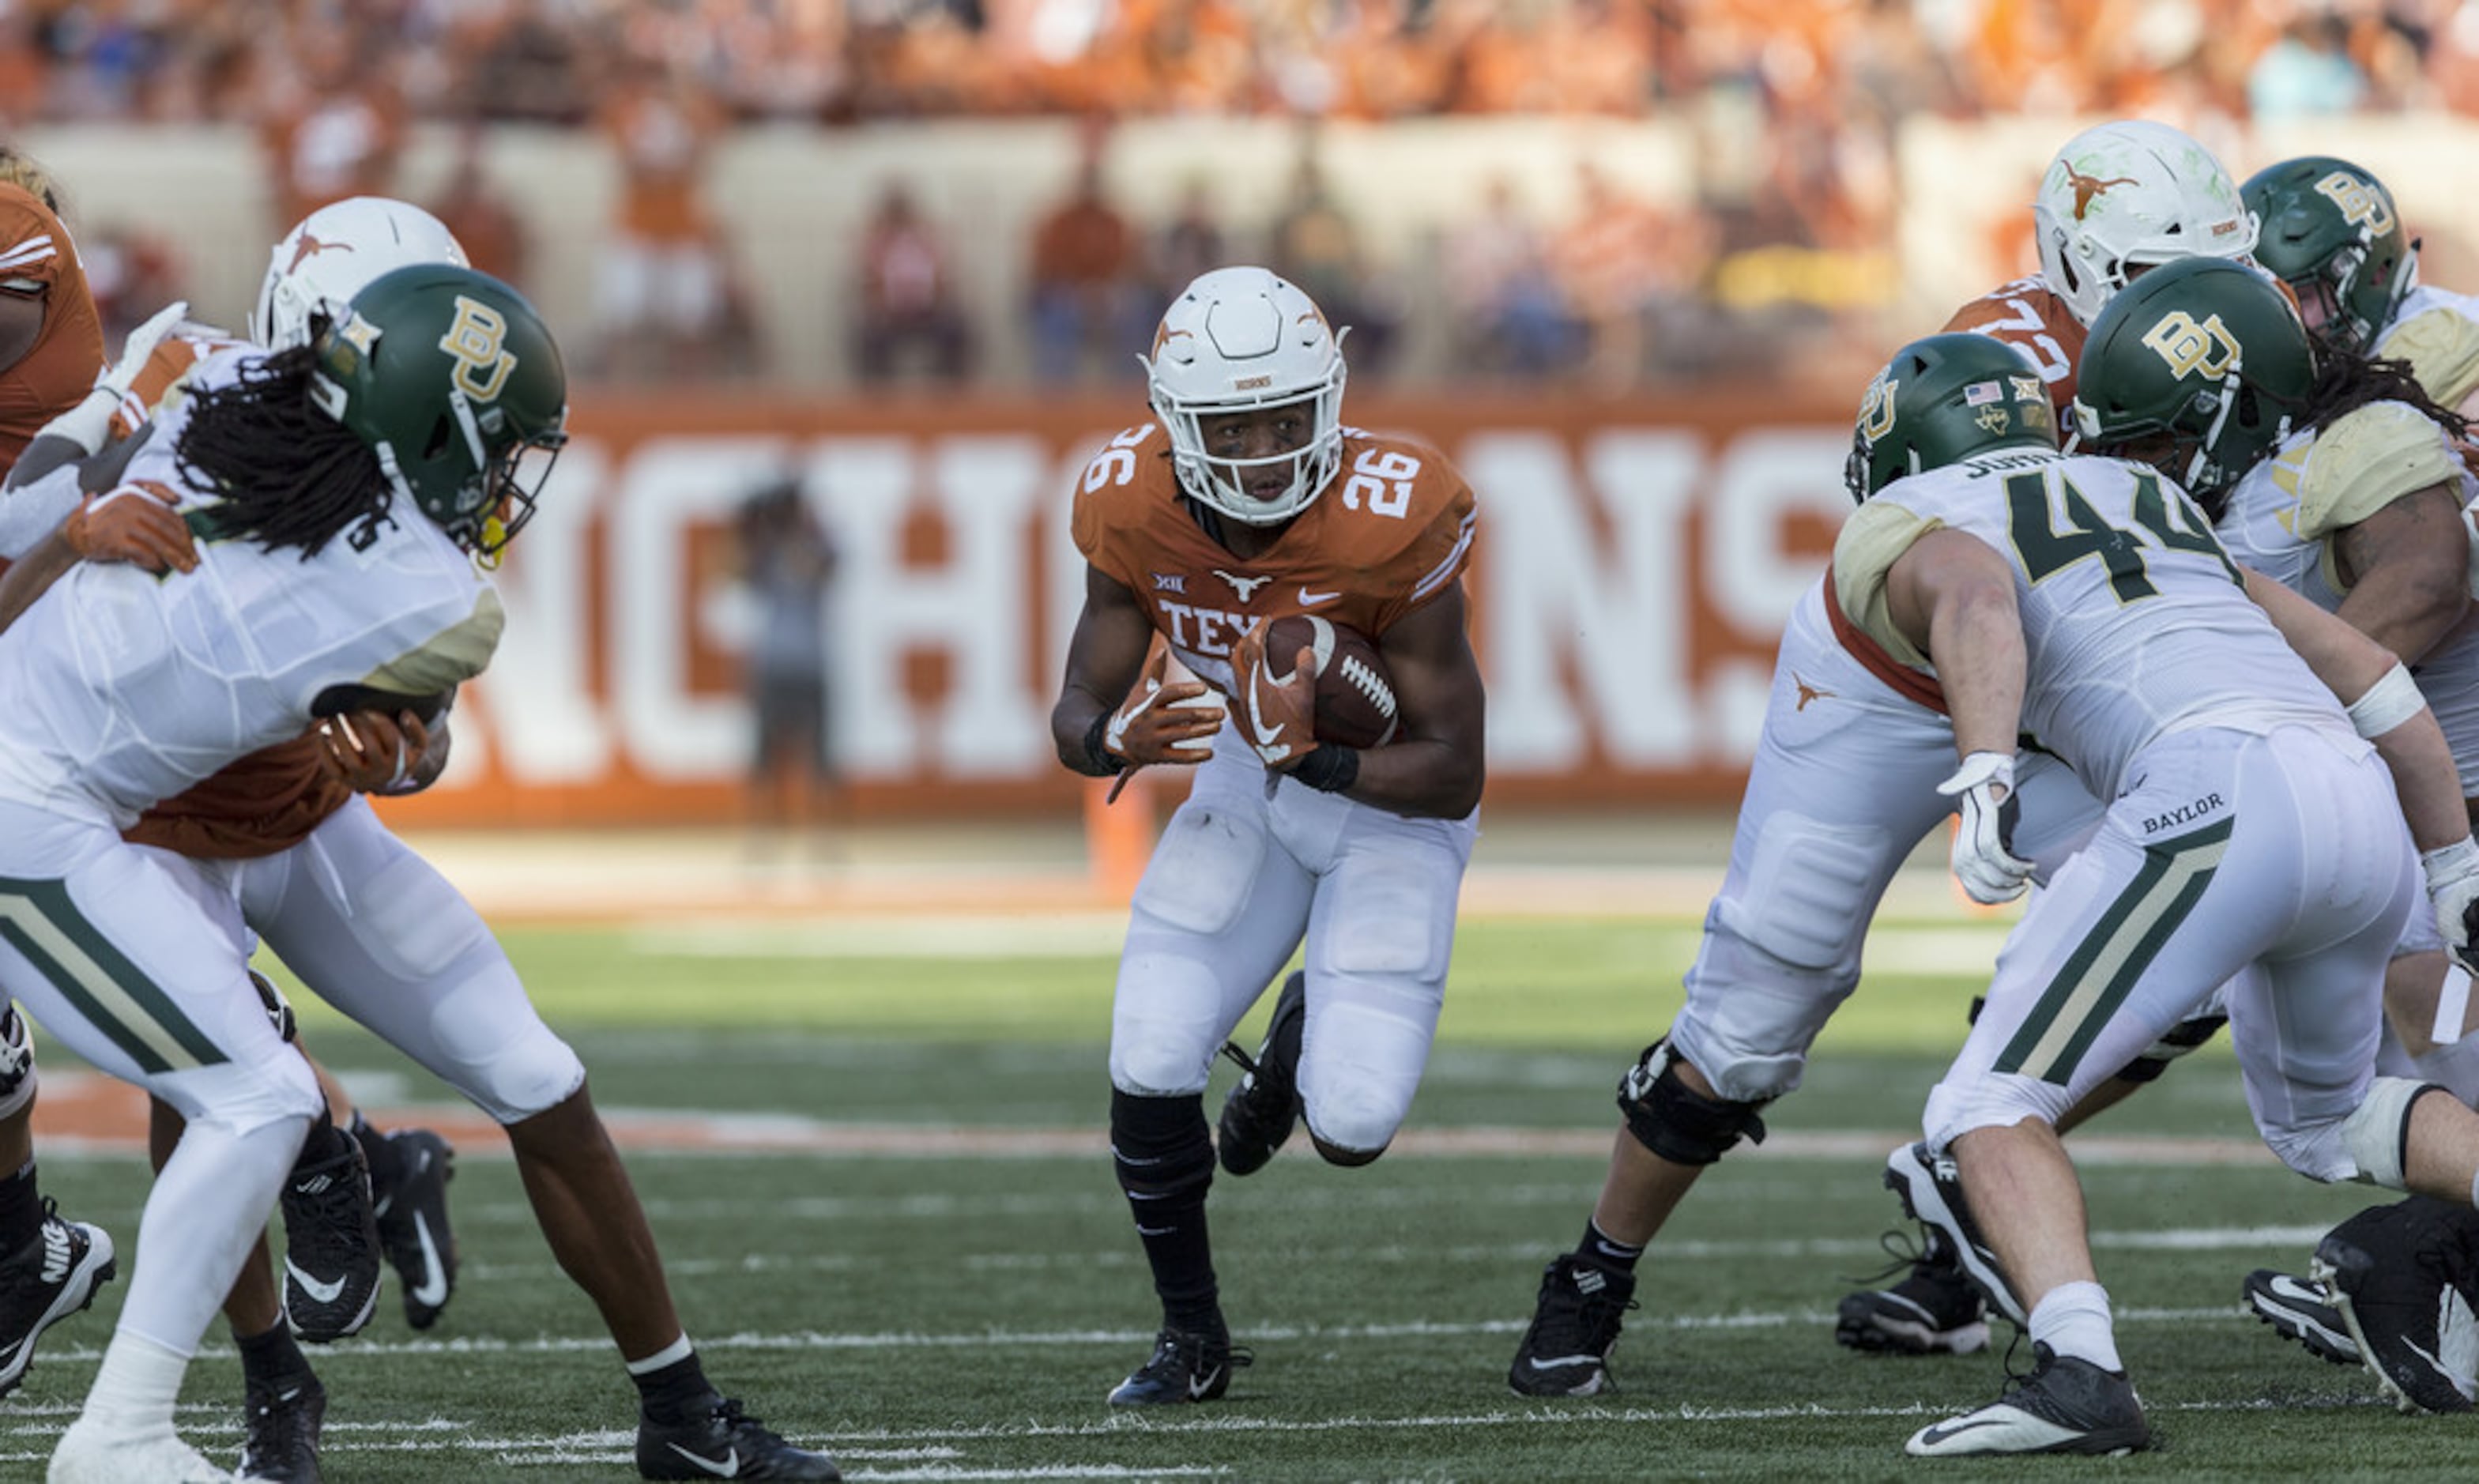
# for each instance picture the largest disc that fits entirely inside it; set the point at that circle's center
(950, 1316)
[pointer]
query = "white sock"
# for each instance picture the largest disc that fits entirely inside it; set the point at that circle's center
(206, 1212)
(2072, 1319)
(134, 1390)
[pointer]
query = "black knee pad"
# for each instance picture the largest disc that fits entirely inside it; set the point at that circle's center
(1676, 1122)
(2182, 1038)
(1342, 1158)
(1161, 1145)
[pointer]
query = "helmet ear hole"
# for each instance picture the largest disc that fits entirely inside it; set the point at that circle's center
(437, 443)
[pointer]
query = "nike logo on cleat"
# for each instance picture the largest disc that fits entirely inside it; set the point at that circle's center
(727, 1466)
(325, 1293)
(433, 1288)
(2288, 1287)
(1956, 1428)
(1198, 1386)
(1561, 1362)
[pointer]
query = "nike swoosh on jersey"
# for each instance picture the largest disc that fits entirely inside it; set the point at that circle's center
(1309, 599)
(325, 1293)
(433, 1288)
(727, 1466)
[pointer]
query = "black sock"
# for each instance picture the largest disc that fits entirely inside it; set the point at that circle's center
(677, 1392)
(272, 1358)
(22, 1210)
(324, 1142)
(1603, 1250)
(1165, 1154)
(386, 1164)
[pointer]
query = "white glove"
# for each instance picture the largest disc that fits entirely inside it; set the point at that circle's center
(2453, 887)
(1983, 858)
(89, 423)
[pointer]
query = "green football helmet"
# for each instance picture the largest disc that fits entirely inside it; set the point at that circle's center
(451, 380)
(2331, 233)
(1942, 399)
(2196, 368)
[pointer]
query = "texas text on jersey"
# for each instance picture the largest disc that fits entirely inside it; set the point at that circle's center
(1392, 532)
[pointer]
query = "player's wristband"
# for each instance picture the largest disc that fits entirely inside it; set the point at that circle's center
(1330, 769)
(2391, 701)
(1099, 761)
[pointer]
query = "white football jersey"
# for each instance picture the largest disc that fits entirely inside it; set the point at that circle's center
(2136, 623)
(2437, 331)
(2283, 513)
(127, 688)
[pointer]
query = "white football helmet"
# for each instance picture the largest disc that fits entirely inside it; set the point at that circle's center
(313, 272)
(2132, 192)
(1237, 340)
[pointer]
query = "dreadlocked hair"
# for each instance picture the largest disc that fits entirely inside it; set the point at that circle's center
(2348, 380)
(290, 474)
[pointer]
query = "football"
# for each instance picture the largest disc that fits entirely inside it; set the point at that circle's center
(1355, 693)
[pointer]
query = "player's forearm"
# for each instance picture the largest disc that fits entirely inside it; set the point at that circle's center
(1976, 643)
(1421, 780)
(1072, 722)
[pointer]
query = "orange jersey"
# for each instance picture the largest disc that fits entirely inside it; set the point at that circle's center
(258, 805)
(38, 260)
(2025, 314)
(1391, 533)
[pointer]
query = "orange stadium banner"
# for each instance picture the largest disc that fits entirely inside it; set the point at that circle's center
(1636, 563)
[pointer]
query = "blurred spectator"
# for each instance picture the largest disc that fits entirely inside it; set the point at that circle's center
(1509, 315)
(337, 133)
(2308, 72)
(787, 564)
(1190, 246)
(1620, 262)
(908, 297)
(1314, 245)
(479, 216)
(1084, 277)
(661, 305)
(132, 274)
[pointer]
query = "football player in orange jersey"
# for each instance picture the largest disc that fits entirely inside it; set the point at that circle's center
(1247, 499)
(2117, 198)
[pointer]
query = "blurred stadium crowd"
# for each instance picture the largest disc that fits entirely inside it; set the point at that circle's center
(1794, 106)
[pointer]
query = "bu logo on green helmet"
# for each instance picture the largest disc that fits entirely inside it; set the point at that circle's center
(1942, 399)
(2332, 233)
(452, 380)
(2198, 367)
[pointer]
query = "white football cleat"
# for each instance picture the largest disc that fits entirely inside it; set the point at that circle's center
(88, 1454)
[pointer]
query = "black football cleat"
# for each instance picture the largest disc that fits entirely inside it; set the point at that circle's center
(1185, 1366)
(44, 1282)
(1260, 1107)
(411, 1217)
(1565, 1350)
(1934, 1311)
(721, 1442)
(2401, 1278)
(331, 1246)
(2065, 1405)
(279, 1441)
